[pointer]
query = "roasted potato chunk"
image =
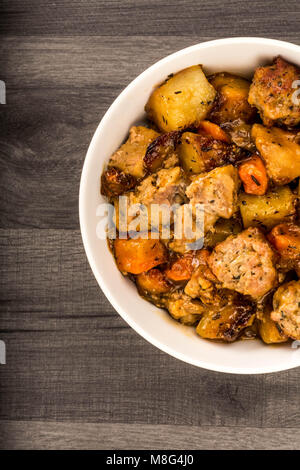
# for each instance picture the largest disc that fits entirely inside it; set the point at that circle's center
(183, 100)
(232, 100)
(136, 256)
(277, 205)
(200, 153)
(225, 323)
(281, 152)
(190, 153)
(223, 228)
(272, 93)
(129, 158)
(162, 152)
(115, 182)
(270, 332)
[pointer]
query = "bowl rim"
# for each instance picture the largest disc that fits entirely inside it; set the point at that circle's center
(84, 232)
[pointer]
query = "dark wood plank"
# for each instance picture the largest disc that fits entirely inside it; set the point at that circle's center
(70, 357)
(151, 18)
(96, 436)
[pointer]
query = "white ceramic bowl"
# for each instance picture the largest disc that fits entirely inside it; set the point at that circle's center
(236, 55)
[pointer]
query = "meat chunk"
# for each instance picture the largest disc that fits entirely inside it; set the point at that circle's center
(286, 305)
(164, 188)
(129, 158)
(167, 186)
(202, 284)
(272, 93)
(161, 153)
(184, 309)
(245, 263)
(217, 191)
(115, 182)
(240, 134)
(280, 150)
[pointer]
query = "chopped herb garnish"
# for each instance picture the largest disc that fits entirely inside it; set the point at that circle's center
(255, 180)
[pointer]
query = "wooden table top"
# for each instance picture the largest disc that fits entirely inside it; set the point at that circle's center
(77, 376)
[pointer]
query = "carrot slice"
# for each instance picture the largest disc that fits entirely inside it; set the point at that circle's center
(182, 268)
(286, 239)
(254, 176)
(214, 130)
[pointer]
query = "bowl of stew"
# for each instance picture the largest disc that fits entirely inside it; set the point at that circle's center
(215, 125)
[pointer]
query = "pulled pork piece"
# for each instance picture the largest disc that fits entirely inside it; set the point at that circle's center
(245, 263)
(286, 305)
(115, 182)
(167, 186)
(184, 309)
(129, 158)
(202, 283)
(272, 93)
(217, 191)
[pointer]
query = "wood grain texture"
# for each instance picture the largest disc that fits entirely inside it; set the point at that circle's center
(76, 375)
(91, 436)
(151, 17)
(70, 357)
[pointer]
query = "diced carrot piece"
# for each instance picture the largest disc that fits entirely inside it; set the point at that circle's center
(286, 239)
(214, 130)
(254, 176)
(138, 255)
(153, 282)
(182, 268)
